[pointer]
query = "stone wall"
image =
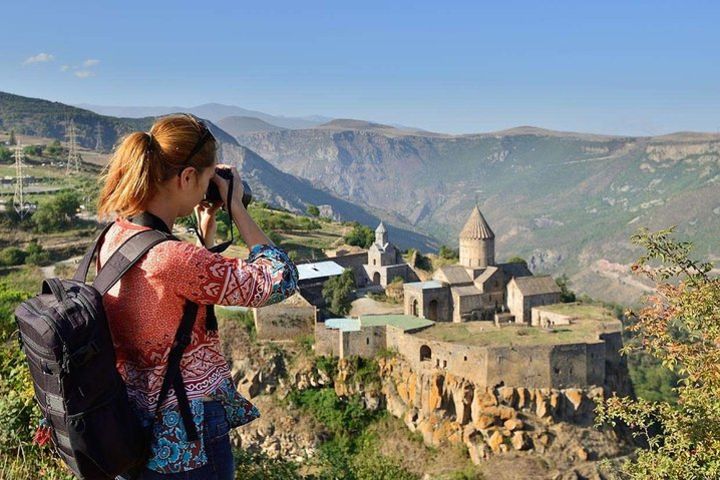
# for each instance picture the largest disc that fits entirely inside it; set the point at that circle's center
(286, 320)
(327, 341)
(355, 262)
(545, 318)
(441, 295)
(530, 366)
(365, 343)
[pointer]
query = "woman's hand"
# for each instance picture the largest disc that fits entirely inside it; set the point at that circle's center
(205, 214)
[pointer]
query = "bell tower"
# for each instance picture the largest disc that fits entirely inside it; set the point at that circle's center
(477, 242)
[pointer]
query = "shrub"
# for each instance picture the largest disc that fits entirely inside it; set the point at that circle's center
(58, 213)
(36, 255)
(448, 253)
(313, 210)
(360, 236)
(11, 256)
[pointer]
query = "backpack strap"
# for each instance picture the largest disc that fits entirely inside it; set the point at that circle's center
(82, 270)
(126, 256)
(173, 376)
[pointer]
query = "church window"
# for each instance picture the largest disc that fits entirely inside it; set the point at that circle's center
(367, 341)
(465, 358)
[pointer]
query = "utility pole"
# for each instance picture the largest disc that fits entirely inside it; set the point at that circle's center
(74, 160)
(98, 138)
(19, 196)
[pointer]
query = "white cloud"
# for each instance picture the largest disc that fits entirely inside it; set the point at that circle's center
(84, 74)
(65, 68)
(39, 58)
(90, 62)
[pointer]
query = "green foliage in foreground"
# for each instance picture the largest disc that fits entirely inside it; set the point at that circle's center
(351, 453)
(680, 327)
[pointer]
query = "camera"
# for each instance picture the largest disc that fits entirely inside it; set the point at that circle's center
(213, 194)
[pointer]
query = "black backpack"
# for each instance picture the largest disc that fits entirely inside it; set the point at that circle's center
(65, 336)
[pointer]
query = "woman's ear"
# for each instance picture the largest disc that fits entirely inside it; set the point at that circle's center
(186, 177)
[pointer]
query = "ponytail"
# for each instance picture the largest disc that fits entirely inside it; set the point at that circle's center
(143, 161)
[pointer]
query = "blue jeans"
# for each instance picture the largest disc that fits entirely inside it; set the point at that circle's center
(216, 437)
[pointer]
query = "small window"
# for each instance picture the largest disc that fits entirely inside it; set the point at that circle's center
(444, 363)
(367, 341)
(465, 358)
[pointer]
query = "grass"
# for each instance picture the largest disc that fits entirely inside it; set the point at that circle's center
(486, 334)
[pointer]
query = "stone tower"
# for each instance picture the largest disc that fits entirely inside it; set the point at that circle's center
(477, 242)
(381, 235)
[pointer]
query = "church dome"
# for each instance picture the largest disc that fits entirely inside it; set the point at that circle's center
(476, 228)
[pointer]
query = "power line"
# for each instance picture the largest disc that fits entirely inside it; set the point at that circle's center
(73, 160)
(98, 138)
(19, 196)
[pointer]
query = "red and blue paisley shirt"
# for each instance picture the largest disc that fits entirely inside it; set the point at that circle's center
(144, 311)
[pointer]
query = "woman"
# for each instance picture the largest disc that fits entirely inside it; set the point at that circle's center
(152, 179)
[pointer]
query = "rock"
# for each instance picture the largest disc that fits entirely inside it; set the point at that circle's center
(513, 424)
(495, 441)
(484, 422)
(507, 396)
(477, 451)
(575, 396)
(520, 441)
(581, 454)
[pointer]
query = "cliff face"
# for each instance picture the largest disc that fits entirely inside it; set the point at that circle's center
(447, 410)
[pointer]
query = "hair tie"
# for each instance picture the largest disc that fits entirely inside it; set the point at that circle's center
(150, 136)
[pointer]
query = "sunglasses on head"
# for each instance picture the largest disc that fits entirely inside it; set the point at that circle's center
(206, 135)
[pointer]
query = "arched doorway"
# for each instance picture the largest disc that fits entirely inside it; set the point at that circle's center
(433, 310)
(425, 353)
(415, 307)
(376, 278)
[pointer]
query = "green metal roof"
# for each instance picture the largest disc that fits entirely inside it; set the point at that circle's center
(404, 322)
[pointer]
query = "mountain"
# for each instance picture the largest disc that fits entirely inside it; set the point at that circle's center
(282, 189)
(211, 111)
(567, 202)
(241, 125)
(38, 117)
(43, 118)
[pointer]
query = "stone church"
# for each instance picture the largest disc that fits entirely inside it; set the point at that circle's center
(385, 262)
(478, 288)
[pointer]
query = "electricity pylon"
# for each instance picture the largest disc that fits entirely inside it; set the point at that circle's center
(19, 196)
(73, 160)
(98, 138)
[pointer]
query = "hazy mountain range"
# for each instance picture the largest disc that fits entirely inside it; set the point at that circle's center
(567, 202)
(210, 111)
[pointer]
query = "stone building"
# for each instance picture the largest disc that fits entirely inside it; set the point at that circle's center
(385, 262)
(476, 288)
(524, 293)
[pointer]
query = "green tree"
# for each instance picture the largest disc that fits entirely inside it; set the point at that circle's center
(6, 156)
(12, 140)
(360, 236)
(337, 292)
(313, 210)
(517, 259)
(680, 327)
(448, 253)
(54, 149)
(58, 213)
(33, 150)
(566, 295)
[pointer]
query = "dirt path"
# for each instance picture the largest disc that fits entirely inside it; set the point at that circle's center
(368, 306)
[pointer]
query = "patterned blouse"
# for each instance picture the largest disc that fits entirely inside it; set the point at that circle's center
(144, 311)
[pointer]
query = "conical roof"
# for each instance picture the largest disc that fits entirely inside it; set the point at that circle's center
(381, 228)
(477, 228)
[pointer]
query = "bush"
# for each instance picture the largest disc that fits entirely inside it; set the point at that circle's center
(6, 155)
(360, 236)
(58, 213)
(448, 253)
(313, 210)
(36, 255)
(566, 295)
(11, 256)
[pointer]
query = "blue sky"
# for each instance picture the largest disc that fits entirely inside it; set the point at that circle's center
(626, 67)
